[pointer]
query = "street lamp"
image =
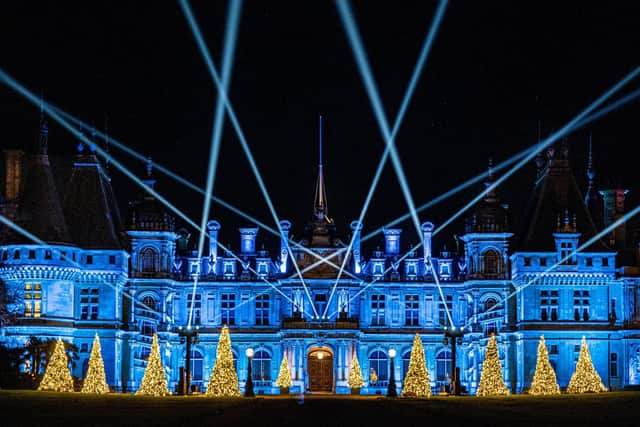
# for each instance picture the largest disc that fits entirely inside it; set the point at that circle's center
(189, 336)
(454, 335)
(248, 389)
(391, 388)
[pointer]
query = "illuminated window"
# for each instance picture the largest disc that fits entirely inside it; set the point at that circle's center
(379, 364)
(89, 303)
(32, 300)
(228, 305)
(581, 305)
(377, 309)
(196, 365)
(411, 306)
(443, 368)
(261, 366)
(613, 364)
(262, 310)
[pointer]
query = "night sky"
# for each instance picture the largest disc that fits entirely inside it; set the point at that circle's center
(496, 70)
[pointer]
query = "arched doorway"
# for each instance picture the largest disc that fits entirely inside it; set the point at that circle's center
(320, 369)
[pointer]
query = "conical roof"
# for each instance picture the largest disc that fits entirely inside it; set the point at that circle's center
(555, 194)
(89, 205)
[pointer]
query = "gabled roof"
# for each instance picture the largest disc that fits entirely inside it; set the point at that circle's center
(89, 206)
(555, 193)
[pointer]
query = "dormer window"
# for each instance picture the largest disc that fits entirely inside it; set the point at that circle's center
(605, 262)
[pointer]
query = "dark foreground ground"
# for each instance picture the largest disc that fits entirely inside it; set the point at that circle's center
(46, 409)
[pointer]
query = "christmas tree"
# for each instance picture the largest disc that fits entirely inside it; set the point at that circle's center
(585, 379)
(96, 380)
(224, 380)
(154, 380)
(57, 376)
(284, 376)
(544, 379)
(491, 382)
(416, 381)
(355, 374)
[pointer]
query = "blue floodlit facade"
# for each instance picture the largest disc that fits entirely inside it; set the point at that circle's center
(127, 280)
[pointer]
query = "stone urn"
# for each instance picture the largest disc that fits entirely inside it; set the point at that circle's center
(355, 391)
(284, 390)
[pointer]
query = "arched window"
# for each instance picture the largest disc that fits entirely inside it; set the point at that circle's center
(443, 368)
(261, 366)
(405, 363)
(196, 365)
(378, 363)
(489, 304)
(491, 258)
(149, 303)
(148, 259)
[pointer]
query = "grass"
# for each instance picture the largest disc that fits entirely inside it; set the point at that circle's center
(48, 408)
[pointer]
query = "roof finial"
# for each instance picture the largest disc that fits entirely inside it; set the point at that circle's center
(149, 167)
(490, 196)
(320, 201)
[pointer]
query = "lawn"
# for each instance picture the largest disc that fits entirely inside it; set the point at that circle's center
(47, 408)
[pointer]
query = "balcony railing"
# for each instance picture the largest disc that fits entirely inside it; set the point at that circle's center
(303, 324)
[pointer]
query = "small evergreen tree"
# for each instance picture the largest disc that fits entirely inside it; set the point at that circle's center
(544, 379)
(57, 376)
(96, 379)
(284, 376)
(355, 379)
(416, 381)
(154, 380)
(585, 379)
(491, 381)
(224, 379)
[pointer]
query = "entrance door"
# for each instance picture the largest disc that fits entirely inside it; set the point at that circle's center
(320, 370)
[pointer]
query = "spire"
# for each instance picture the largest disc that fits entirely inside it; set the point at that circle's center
(490, 196)
(43, 137)
(590, 174)
(149, 182)
(107, 145)
(320, 210)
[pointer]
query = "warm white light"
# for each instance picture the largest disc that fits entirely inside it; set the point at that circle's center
(320, 355)
(392, 352)
(249, 352)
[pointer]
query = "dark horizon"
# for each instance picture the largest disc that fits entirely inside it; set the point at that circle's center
(494, 73)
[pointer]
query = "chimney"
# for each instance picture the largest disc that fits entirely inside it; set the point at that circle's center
(248, 240)
(213, 227)
(356, 228)
(392, 240)
(13, 173)
(285, 226)
(427, 231)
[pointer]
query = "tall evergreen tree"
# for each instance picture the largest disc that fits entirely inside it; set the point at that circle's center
(96, 379)
(544, 379)
(355, 379)
(585, 379)
(491, 381)
(224, 379)
(416, 381)
(154, 380)
(57, 376)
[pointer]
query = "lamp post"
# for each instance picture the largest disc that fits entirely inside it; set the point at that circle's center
(391, 388)
(454, 335)
(248, 389)
(189, 336)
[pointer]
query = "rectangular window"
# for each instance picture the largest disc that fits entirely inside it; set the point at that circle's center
(549, 305)
(589, 262)
(543, 262)
(605, 262)
(89, 303)
(613, 369)
(89, 259)
(48, 254)
(262, 310)
(411, 306)
(197, 307)
(442, 311)
(553, 349)
(32, 254)
(527, 261)
(112, 259)
(228, 306)
(32, 300)
(581, 305)
(377, 309)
